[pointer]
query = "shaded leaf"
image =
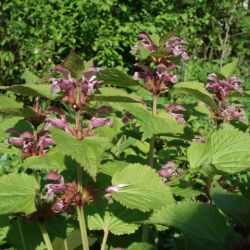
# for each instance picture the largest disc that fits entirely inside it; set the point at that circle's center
(117, 78)
(109, 94)
(198, 91)
(141, 246)
(74, 64)
(202, 223)
(234, 205)
(42, 90)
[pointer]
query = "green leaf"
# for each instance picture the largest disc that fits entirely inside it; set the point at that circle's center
(117, 78)
(162, 123)
(143, 52)
(111, 167)
(53, 160)
(145, 190)
(29, 77)
(113, 218)
(4, 228)
(141, 246)
(17, 194)
(228, 70)
(28, 229)
(9, 103)
(88, 152)
(155, 39)
(234, 205)
(202, 223)
(42, 90)
(226, 149)
(109, 94)
(74, 64)
(198, 91)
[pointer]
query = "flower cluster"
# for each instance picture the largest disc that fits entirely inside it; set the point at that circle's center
(70, 86)
(165, 57)
(178, 117)
(65, 194)
(30, 142)
(222, 89)
(167, 170)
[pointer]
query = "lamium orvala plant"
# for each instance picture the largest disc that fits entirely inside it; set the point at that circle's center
(96, 158)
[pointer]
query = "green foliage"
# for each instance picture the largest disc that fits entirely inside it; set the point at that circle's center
(198, 91)
(17, 194)
(113, 218)
(145, 190)
(203, 224)
(88, 152)
(229, 69)
(234, 205)
(225, 149)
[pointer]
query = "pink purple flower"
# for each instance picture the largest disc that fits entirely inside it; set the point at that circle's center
(172, 109)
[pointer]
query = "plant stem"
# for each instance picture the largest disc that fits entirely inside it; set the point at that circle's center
(21, 233)
(145, 228)
(45, 236)
(80, 212)
(104, 240)
(65, 243)
(83, 229)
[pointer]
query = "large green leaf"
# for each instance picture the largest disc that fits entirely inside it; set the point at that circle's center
(202, 223)
(228, 69)
(17, 194)
(144, 189)
(109, 94)
(53, 160)
(117, 78)
(162, 123)
(226, 149)
(42, 90)
(4, 228)
(234, 205)
(113, 218)
(197, 90)
(88, 152)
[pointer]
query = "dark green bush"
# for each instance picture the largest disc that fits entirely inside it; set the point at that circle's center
(34, 34)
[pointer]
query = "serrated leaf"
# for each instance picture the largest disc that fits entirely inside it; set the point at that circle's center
(228, 70)
(234, 205)
(145, 190)
(226, 149)
(74, 64)
(198, 91)
(109, 94)
(53, 160)
(87, 153)
(113, 218)
(17, 194)
(162, 123)
(202, 223)
(29, 77)
(43, 90)
(117, 78)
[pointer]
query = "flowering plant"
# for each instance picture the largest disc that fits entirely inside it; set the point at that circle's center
(148, 155)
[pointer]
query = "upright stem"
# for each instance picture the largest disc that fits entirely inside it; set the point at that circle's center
(45, 236)
(21, 233)
(145, 228)
(104, 240)
(83, 228)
